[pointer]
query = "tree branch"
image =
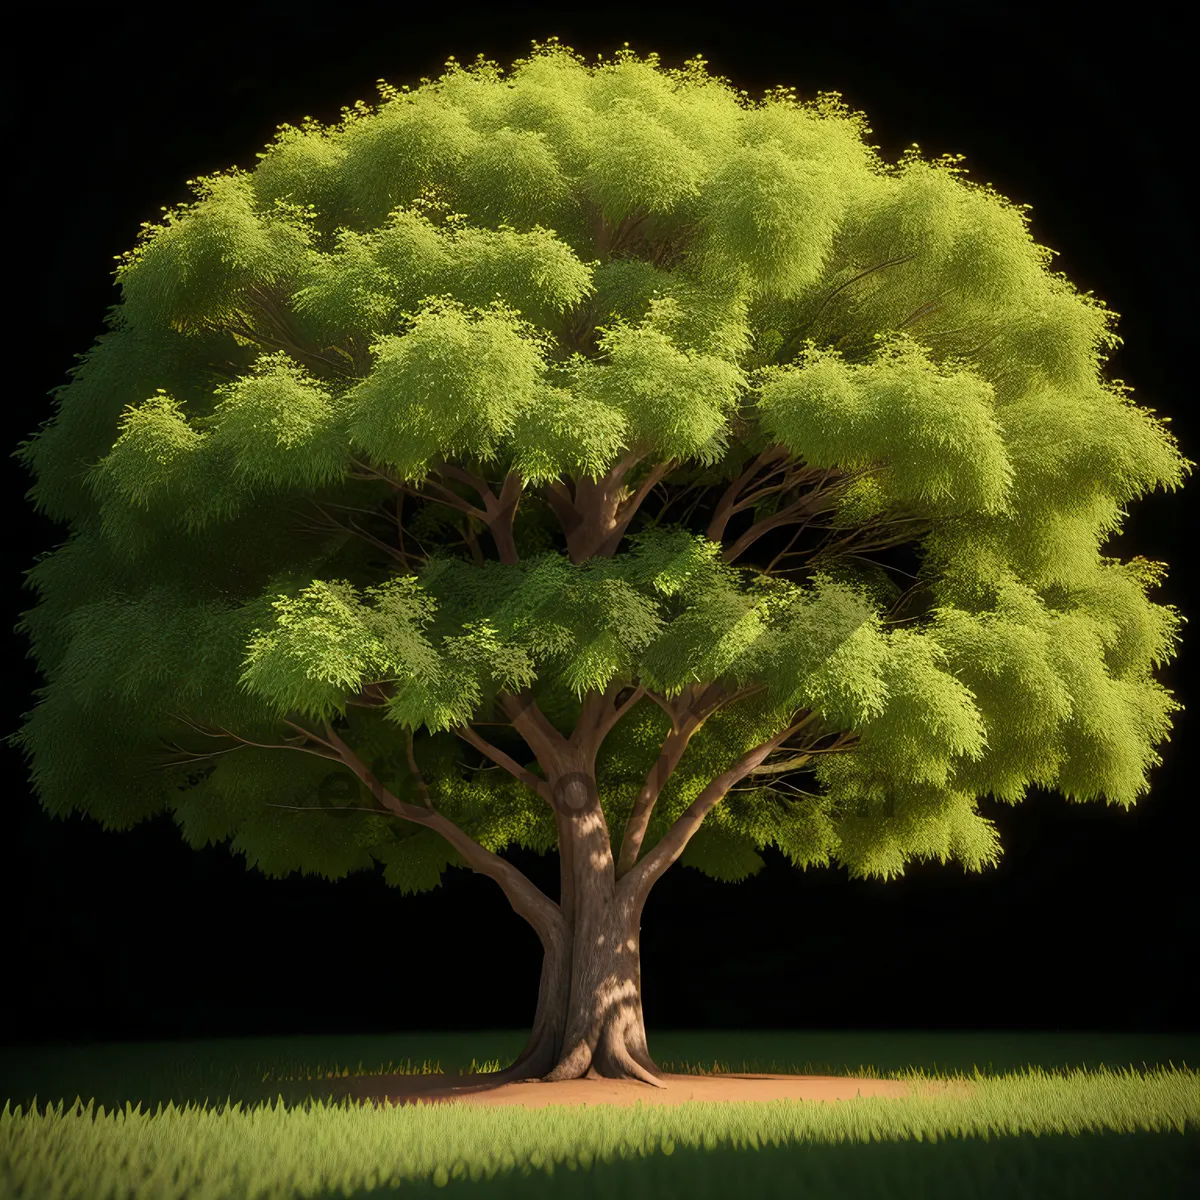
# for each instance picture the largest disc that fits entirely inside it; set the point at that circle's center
(287, 744)
(629, 507)
(526, 899)
(790, 764)
(640, 878)
(427, 491)
(618, 711)
(416, 771)
(595, 518)
(891, 262)
(534, 782)
(688, 713)
(810, 504)
(724, 509)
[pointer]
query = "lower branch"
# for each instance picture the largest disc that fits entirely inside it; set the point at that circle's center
(526, 898)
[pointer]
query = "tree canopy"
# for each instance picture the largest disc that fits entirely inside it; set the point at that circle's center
(279, 472)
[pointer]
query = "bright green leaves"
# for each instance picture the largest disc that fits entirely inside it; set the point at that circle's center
(203, 267)
(162, 465)
(454, 695)
(896, 797)
(1106, 747)
(534, 271)
(305, 166)
(1071, 445)
(513, 177)
(450, 386)
(773, 634)
(1004, 657)
(350, 290)
(372, 279)
(591, 621)
(637, 164)
(273, 429)
(936, 431)
(394, 153)
(676, 401)
(1053, 332)
(654, 386)
(563, 434)
(393, 288)
(991, 257)
(155, 443)
(890, 823)
(323, 645)
(588, 624)
(770, 220)
(1138, 633)
(930, 717)
(848, 688)
(280, 427)
(123, 367)
(1078, 453)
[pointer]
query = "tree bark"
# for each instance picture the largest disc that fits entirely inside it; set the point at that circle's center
(589, 1021)
(544, 1045)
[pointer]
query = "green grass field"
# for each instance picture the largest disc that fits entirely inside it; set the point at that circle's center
(1087, 1116)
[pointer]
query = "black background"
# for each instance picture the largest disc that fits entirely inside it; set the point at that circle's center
(1088, 920)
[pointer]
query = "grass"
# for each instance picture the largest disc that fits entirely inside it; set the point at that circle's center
(1051, 1116)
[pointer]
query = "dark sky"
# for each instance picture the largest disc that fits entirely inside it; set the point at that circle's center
(1085, 924)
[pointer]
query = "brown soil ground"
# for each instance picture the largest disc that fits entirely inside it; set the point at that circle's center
(678, 1089)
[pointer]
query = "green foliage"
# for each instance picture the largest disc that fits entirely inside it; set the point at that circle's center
(463, 383)
(936, 431)
(428, 281)
(203, 264)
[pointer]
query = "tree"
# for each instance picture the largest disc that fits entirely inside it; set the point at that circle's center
(378, 452)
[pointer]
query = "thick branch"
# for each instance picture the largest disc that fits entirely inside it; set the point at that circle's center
(610, 718)
(533, 725)
(628, 509)
(590, 519)
(641, 877)
(688, 712)
(725, 506)
(526, 899)
(499, 511)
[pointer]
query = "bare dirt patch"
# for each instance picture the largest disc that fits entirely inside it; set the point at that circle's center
(677, 1089)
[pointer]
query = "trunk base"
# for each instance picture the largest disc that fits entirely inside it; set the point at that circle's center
(619, 1052)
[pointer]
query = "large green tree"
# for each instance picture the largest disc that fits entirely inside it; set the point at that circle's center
(530, 460)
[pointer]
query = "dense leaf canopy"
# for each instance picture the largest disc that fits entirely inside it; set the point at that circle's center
(535, 274)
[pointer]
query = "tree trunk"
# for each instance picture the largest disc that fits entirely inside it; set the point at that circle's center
(543, 1047)
(605, 1033)
(589, 1021)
